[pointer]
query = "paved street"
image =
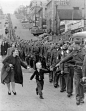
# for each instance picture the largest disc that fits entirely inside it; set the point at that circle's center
(20, 31)
(26, 98)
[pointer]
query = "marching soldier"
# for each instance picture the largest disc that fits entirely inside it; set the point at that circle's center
(78, 57)
(70, 75)
(64, 70)
(54, 60)
(48, 61)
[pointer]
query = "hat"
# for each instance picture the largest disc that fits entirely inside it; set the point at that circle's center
(70, 48)
(76, 47)
(65, 47)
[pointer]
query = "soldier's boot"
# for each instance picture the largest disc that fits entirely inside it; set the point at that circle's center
(56, 85)
(77, 102)
(81, 100)
(63, 88)
(69, 94)
(50, 80)
(62, 84)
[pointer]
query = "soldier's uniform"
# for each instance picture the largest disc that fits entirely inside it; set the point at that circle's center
(54, 61)
(78, 57)
(70, 75)
(48, 63)
(65, 71)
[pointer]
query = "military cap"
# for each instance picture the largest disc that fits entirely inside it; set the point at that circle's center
(65, 47)
(70, 48)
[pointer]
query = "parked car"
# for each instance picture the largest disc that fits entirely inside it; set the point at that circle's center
(36, 31)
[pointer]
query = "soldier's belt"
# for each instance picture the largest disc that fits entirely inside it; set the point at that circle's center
(78, 66)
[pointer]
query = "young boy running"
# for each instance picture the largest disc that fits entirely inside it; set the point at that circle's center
(39, 76)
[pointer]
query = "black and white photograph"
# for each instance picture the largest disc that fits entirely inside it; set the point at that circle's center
(42, 55)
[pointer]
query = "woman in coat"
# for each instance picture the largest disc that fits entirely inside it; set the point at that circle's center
(11, 71)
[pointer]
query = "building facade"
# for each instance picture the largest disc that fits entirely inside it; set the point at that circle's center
(59, 10)
(56, 11)
(35, 6)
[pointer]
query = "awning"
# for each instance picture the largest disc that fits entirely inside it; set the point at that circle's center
(69, 14)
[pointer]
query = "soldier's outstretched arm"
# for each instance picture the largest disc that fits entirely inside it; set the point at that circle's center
(67, 58)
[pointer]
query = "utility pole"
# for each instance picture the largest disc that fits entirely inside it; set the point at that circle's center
(84, 13)
(56, 21)
(35, 13)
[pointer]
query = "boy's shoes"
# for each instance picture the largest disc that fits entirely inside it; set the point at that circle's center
(41, 97)
(37, 92)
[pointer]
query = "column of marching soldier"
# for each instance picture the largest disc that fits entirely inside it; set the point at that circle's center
(50, 54)
(67, 58)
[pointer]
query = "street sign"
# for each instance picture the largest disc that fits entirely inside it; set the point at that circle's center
(62, 2)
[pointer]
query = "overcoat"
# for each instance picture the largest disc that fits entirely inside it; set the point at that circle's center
(17, 63)
(2, 50)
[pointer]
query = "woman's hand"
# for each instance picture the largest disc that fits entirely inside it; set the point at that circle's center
(28, 67)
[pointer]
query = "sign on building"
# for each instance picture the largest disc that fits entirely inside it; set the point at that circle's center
(62, 2)
(74, 26)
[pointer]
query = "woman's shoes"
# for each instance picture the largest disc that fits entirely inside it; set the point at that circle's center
(9, 93)
(14, 93)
